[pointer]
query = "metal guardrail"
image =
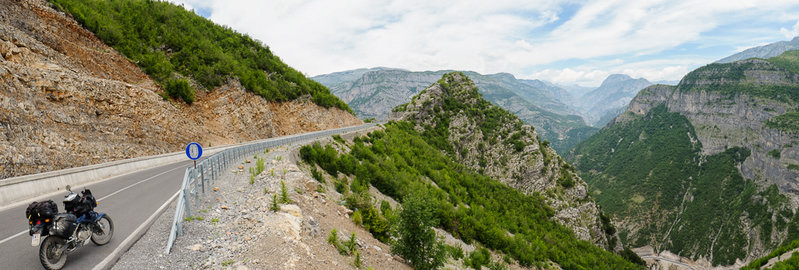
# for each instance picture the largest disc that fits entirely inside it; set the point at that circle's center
(208, 170)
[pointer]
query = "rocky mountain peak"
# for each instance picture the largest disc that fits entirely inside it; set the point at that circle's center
(615, 78)
(624, 82)
(496, 143)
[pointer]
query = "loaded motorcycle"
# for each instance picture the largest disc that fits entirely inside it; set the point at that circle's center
(58, 234)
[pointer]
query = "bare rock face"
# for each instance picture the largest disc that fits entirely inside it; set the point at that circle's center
(731, 111)
(69, 100)
(723, 120)
(534, 169)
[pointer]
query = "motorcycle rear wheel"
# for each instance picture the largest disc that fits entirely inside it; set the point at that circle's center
(50, 254)
(103, 230)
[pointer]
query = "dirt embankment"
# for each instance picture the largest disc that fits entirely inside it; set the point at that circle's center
(67, 100)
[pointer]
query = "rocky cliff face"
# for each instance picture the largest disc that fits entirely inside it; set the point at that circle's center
(379, 90)
(729, 119)
(69, 100)
(725, 190)
(507, 151)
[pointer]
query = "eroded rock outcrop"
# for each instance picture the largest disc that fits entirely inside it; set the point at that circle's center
(524, 162)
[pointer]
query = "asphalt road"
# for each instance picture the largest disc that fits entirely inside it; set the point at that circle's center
(128, 199)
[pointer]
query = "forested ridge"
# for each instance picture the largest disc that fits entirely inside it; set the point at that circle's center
(173, 45)
(403, 162)
(398, 161)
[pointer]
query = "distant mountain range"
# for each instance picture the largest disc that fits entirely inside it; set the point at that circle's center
(605, 102)
(765, 51)
(372, 93)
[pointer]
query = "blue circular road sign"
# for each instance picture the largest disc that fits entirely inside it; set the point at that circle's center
(194, 151)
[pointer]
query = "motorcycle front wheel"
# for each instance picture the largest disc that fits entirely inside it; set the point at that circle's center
(51, 253)
(102, 231)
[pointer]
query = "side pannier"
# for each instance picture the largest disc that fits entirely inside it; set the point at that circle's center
(64, 225)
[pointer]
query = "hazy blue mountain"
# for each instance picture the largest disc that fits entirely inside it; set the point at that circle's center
(558, 92)
(765, 51)
(376, 92)
(606, 101)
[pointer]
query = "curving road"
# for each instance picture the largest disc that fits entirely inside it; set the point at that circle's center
(128, 199)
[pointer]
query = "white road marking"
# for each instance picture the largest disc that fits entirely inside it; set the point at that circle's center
(13, 236)
(109, 195)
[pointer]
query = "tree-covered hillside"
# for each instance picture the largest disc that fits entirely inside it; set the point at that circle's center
(171, 44)
(525, 213)
(399, 161)
(707, 168)
(648, 172)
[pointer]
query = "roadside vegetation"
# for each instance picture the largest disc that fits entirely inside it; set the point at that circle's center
(173, 45)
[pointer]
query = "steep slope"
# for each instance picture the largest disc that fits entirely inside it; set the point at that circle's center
(705, 169)
(376, 92)
(765, 51)
(609, 99)
(783, 257)
(493, 141)
(171, 44)
(486, 177)
(69, 100)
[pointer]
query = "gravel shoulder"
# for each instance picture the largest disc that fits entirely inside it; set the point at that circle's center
(234, 228)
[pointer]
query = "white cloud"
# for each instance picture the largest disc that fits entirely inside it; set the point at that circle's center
(652, 70)
(791, 33)
(319, 36)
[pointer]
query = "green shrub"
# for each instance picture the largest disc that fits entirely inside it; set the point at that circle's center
(351, 244)
(341, 185)
(357, 218)
(455, 253)
(284, 195)
(179, 88)
(478, 258)
(417, 242)
(357, 261)
(332, 238)
(775, 153)
(317, 175)
(275, 206)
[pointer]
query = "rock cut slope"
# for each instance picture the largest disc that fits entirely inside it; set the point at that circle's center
(69, 100)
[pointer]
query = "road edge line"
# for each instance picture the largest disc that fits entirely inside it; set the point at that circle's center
(112, 258)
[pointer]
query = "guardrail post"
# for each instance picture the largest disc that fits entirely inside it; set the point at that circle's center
(201, 167)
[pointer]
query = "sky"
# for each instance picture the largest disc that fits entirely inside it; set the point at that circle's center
(566, 42)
